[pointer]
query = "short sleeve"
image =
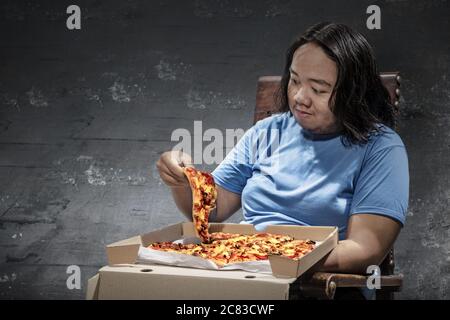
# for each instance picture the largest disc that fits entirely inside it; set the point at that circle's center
(234, 171)
(382, 186)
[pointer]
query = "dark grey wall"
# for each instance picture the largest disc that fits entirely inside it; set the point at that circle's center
(85, 114)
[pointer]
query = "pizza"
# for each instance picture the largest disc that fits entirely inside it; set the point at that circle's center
(228, 248)
(204, 195)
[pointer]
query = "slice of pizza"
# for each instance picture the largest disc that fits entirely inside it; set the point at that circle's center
(223, 236)
(204, 195)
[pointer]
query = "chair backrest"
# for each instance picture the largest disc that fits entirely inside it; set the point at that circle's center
(268, 85)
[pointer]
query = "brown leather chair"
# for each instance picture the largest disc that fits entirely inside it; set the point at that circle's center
(323, 285)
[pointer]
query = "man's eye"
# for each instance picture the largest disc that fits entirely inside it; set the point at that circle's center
(318, 91)
(294, 81)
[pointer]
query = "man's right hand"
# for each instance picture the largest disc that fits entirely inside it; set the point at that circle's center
(170, 166)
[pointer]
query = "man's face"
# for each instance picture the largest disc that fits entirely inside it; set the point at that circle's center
(312, 79)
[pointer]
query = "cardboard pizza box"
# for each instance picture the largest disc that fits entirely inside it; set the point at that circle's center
(124, 279)
(159, 282)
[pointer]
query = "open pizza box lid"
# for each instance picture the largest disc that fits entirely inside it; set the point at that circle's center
(126, 251)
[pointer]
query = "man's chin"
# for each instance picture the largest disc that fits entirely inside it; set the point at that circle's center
(302, 123)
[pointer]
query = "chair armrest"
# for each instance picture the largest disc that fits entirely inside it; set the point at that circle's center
(324, 284)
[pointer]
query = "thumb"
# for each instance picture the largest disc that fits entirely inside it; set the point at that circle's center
(185, 160)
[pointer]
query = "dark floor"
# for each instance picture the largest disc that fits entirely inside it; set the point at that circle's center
(85, 114)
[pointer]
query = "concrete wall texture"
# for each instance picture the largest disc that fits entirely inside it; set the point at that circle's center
(85, 114)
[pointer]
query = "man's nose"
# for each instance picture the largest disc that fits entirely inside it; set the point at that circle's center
(302, 97)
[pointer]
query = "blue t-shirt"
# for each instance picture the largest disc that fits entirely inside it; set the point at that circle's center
(288, 175)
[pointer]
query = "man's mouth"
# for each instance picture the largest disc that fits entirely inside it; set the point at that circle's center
(301, 111)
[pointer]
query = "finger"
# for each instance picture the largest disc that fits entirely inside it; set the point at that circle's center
(170, 181)
(180, 180)
(173, 164)
(186, 161)
(168, 172)
(173, 181)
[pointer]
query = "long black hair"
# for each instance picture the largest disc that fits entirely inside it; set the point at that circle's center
(359, 100)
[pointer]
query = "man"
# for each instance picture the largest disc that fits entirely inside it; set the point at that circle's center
(337, 160)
